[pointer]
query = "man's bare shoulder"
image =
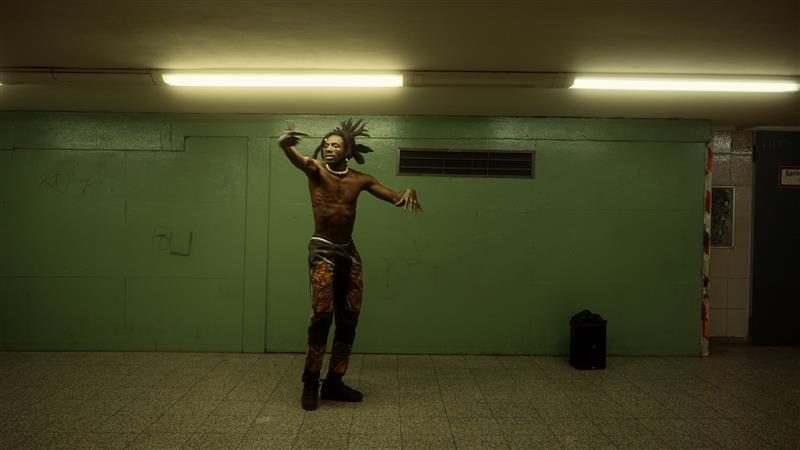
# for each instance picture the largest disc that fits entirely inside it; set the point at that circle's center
(363, 177)
(314, 166)
(359, 173)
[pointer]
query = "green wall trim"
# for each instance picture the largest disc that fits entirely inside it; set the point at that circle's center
(164, 131)
(188, 232)
(68, 131)
(256, 249)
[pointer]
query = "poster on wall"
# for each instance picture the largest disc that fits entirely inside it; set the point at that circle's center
(722, 198)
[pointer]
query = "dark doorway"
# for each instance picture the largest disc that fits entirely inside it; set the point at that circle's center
(776, 239)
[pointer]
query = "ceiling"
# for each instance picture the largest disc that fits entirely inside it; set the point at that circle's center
(625, 36)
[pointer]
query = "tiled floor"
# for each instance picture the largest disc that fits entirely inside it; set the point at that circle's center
(740, 397)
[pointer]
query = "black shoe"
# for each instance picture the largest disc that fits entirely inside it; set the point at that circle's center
(310, 398)
(338, 391)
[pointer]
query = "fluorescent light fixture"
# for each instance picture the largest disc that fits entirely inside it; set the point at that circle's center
(685, 83)
(283, 79)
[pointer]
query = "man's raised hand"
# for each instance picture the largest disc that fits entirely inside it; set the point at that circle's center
(290, 138)
(409, 201)
(287, 142)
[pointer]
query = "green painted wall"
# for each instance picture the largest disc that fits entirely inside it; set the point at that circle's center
(189, 232)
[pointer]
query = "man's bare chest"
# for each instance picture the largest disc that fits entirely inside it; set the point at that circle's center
(331, 190)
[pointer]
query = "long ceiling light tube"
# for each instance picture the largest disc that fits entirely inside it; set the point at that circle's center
(283, 79)
(685, 83)
(412, 79)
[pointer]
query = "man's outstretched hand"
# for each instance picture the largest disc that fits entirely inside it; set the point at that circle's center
(409, 201)
(290, 138)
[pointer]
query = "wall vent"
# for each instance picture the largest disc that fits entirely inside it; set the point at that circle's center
(471, 163)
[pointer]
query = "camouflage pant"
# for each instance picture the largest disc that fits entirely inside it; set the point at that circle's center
(336, 284)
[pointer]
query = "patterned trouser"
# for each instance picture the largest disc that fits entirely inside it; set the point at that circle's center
(336, 284)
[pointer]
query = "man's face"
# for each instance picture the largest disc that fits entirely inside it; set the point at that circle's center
(334, 149)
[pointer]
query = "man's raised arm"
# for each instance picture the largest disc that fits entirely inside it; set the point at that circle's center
(406, 199)
(287, 142)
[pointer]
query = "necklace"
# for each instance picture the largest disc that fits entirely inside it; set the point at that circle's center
(337, 172)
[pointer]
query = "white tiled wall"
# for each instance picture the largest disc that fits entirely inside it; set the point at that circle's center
(730, 267)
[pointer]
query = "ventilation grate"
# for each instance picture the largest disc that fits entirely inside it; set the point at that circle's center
(493, 163)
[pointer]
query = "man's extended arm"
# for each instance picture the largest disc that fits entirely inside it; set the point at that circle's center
(407, 199)
(287, 143)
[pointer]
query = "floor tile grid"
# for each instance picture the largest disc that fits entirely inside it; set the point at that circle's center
(113, 428)
(559, 392)
(444, 443)
(719, 428)
(440, 388)
(149, 427)
(680, 399)
(497, 387)
(758, 391)
(282, 436)
(383, 439)
(247, 426)
(601, 401)
(36, 405)
(759, 429)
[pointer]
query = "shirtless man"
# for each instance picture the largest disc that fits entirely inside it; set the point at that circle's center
(334, 263)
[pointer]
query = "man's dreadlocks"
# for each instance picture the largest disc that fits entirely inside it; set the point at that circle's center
(349, 131)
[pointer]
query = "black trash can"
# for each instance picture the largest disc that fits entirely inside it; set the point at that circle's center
(587, 341)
